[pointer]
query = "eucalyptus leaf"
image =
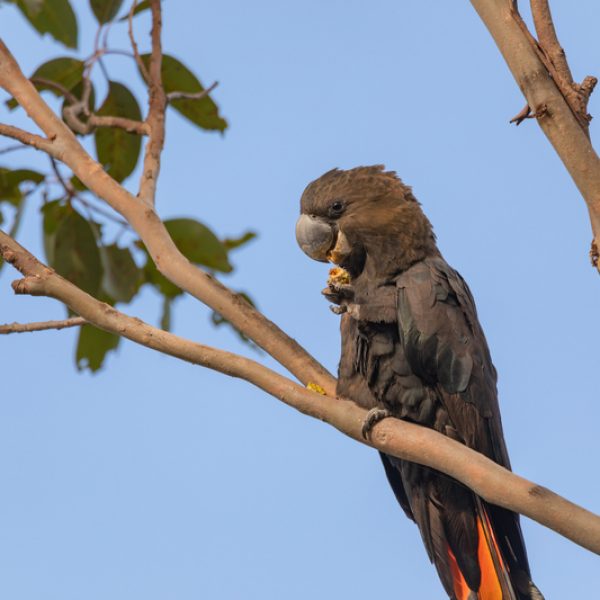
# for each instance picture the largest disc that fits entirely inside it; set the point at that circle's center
(234, 243)
(92, 347)
(55, 17)
(165, 319)
(53, 214)
(199, 244)
(74, 252)
(11, 180)
(65, 72)
(176, 77)
(141, 6)
(105, 10)
(118, 150)
(122, 277)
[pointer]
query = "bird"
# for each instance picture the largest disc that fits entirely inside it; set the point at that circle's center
(412, 348)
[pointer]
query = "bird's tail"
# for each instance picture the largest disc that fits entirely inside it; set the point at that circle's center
(497, 581)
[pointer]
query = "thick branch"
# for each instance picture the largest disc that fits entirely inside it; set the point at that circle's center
(392, 436)
(156, 113)
(171, 263)
(41, 325)
(556, 117)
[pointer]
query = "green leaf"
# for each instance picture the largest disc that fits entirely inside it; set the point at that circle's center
(53, 214)
(105, 10)
(122, 277)
(154, 277)
(165, 319)
(11, 179)
(199, 244)
(118, 150)
(64, 71)
(92, 347)
(176, 77)
(73, 251)
(234, 243)
(55, 17)
(144, 5)
(78, 184)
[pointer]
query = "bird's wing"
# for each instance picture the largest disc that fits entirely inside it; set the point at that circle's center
(446, 348)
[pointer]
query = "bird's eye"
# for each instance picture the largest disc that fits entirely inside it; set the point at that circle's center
(336, 208)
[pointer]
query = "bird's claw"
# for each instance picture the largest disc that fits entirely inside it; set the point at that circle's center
(373, 417)
(338, 293)
(338, 310)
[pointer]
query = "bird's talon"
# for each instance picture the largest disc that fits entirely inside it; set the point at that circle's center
(373, 417)
(338, 310)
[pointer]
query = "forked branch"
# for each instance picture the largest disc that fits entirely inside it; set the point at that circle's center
(61, 143)
(392, 436)
(544, 79)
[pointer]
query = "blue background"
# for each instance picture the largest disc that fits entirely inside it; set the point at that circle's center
(156, 479)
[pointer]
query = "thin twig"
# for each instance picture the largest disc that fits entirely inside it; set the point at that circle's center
(101, 211)
(12, 148)
(191, 95)
(134, 46)
(70, 97)
(73, 195)
(41, 325)
(69, 190)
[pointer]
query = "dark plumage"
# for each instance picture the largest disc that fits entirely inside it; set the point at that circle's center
(412, 344)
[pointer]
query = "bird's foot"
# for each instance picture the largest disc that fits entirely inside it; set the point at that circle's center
(338, 293)
(373, 417)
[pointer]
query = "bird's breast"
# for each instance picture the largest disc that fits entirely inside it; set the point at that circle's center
(374, 370)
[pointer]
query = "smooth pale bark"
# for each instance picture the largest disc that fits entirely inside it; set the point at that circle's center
(557, 120)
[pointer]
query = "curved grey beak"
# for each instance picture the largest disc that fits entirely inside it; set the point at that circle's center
(314, 236)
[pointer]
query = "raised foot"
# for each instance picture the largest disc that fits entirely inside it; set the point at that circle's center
(373, 417)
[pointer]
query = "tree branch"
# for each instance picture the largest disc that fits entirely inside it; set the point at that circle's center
(555, 116)
(192, 95)
(41, 325)
(156, 113)
(577, 96)
(168, 259)
(29, 139)
(546, 32)
(134, 46)
(407, 441)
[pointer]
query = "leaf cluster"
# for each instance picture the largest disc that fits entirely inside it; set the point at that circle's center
(84, 242)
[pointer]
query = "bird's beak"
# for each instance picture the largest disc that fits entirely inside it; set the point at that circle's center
(315, 237)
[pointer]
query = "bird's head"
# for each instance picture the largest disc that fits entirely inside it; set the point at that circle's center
(363, 215)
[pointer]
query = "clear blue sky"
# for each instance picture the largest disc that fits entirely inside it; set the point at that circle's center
(159, 480)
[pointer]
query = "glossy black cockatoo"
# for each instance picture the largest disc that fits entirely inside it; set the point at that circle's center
(413, 348)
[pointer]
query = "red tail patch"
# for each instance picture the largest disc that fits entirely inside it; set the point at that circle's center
(490, 588)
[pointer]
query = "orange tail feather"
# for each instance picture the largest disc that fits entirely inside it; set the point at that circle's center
(490, 560)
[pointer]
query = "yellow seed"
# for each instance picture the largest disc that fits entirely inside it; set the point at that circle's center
(315, 387)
